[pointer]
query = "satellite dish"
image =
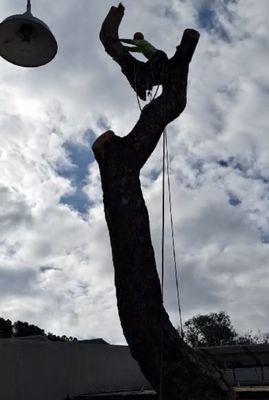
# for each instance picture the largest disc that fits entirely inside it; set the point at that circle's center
(26, 40)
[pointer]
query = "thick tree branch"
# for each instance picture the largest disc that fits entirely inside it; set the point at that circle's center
(133, 69)
(144, 320)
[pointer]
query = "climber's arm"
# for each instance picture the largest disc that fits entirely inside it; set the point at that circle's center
(129, 41)
(132, 49)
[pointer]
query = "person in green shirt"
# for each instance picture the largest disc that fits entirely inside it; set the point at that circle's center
(140, 45)
(157, 59)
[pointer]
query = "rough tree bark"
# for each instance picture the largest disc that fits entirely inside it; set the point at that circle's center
(186, 375)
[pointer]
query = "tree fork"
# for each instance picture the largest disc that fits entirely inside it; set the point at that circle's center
(144, 320)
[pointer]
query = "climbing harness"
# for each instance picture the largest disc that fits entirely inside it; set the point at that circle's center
(135, 88)
(148, 92)
(153, 97)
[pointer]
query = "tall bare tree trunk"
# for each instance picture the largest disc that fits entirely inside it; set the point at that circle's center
(186, 375)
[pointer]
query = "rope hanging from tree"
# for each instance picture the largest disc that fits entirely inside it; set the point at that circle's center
(166, 171)
(173, 235)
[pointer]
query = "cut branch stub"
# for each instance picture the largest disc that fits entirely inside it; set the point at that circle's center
(133, 69)
(188, 44)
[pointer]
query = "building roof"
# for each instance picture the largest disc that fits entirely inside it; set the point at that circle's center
(238, 355)
(243, 365)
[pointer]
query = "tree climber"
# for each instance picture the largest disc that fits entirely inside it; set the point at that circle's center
(140, 45)
(157, 59)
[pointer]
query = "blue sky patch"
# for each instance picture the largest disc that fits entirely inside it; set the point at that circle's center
(264, 236)
(81, 156)
(234, 200)
(207, 18)
(103, 123)
(235, 164)
(246, 168)
(223, 163)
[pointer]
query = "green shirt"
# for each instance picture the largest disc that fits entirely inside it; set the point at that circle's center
(140, 46)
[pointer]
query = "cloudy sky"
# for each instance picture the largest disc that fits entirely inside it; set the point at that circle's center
(55, 258)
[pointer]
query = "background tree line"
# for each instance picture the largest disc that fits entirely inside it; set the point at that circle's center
(20, 329)
(216, 329)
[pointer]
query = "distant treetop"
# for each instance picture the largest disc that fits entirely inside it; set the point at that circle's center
(216, 329)
(23, 329)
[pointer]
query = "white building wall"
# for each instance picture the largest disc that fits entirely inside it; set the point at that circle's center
(44, 370)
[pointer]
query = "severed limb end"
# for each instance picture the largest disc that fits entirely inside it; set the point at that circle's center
(100, 145)
(187, 45)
